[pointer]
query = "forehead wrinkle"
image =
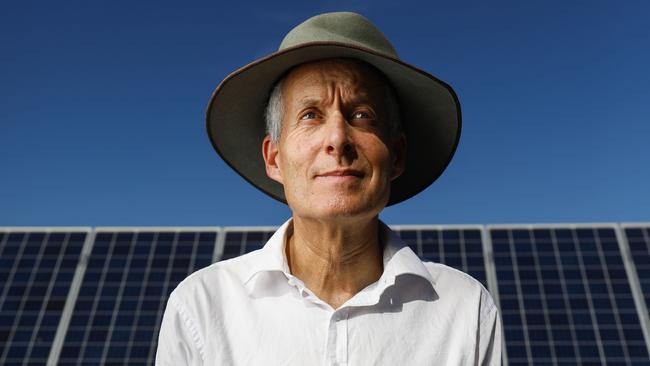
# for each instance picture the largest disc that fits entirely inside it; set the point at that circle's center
(323, 82)
(314, 94)
(344, 98)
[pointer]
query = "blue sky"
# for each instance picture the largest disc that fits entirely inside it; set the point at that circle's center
(102, 109)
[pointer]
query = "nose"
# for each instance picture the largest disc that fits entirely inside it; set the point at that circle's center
(338, 140)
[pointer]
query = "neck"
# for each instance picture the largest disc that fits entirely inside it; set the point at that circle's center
(335, 261)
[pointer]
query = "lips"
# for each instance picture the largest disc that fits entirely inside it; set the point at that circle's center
(342, 173)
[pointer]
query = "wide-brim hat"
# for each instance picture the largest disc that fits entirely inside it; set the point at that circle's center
(429, 108)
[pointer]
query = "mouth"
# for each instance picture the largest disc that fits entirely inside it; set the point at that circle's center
(341, 174)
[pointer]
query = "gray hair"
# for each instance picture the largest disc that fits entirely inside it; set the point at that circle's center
(275, 111)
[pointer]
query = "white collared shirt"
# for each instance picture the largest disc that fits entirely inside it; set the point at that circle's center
(250, 310)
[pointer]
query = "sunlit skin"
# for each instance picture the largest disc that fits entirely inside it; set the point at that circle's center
(336, 160)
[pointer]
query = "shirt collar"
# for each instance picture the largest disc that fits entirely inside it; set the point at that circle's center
(272, 256)
(398, 258)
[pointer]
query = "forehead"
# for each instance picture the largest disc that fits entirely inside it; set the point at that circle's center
(350, 76)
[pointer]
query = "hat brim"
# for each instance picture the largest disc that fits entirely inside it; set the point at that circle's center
(429, 112)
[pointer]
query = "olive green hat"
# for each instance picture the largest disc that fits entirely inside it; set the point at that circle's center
(429, 108)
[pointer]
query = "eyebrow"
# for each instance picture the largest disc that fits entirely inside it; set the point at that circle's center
(310, 101)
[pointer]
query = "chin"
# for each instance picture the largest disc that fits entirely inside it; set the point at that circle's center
(344, 208)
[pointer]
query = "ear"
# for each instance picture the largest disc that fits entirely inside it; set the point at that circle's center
(271, 159)
(399, 156)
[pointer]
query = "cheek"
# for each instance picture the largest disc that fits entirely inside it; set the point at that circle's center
(379, 156)
(295, 162)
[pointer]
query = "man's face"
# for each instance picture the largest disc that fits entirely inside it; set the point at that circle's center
(335, 157)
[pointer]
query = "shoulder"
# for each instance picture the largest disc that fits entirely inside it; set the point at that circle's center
(224, 278)
(446, 275)
(460, 287)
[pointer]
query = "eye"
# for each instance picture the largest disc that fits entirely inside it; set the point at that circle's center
(308, 115)
(361, 115)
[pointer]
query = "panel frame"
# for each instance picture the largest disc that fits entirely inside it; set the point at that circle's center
(75, 285)
(633, 277)
(493, 284)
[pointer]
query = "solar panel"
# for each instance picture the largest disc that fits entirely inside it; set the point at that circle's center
(128, 279)
(460, 248)
(239, 241)
(638, 239)
(565, 297)
(36, 270)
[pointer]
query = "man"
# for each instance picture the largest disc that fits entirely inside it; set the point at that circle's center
(349, 129)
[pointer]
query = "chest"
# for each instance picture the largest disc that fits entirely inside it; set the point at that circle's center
(299, 333)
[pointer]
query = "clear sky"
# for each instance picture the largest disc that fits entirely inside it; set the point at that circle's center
(102, 109)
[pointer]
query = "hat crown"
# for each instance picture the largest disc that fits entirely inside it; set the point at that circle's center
(340, 27)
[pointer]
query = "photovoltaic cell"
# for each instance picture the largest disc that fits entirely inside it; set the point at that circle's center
(128, 279)
(638, 238)
(565, 297)
(458, 248)
(36, 270)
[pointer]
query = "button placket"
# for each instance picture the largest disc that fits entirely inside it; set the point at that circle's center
(331, 340)
(342, 337)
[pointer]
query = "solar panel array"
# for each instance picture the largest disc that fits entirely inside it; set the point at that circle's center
(563, 291)
(565, 297)
(128, 279)
(36, 269)
(460, 248)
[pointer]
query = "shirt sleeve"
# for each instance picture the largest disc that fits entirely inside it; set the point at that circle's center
(489, 338)
(178, 341)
